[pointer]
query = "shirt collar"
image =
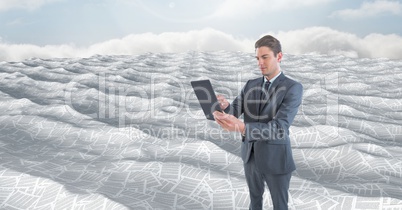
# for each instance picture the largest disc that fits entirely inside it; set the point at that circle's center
(273, 79)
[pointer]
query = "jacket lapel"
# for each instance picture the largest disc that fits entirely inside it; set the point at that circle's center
(257, 95)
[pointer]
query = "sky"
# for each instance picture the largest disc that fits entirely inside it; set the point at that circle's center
(82, 28)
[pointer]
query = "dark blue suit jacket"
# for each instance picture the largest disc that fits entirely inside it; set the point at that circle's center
(267, 122)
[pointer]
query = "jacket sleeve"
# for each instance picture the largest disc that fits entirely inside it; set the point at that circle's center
(236, 108)
(278, 127)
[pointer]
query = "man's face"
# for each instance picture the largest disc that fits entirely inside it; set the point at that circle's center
(267, 62)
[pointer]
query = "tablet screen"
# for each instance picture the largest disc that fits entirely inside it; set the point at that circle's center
(206, 96)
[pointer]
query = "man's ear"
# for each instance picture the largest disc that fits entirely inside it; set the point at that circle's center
(279, 57)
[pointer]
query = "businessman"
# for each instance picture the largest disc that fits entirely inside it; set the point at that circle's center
(269, 105)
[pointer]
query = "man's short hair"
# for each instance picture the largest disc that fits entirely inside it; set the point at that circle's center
(270, 42)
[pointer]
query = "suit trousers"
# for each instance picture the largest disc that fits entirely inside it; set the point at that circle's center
(278, 185)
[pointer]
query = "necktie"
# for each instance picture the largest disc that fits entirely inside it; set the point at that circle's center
(264, 94)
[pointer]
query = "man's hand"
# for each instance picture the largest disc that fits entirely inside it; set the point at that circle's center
(223, 103)
(229, 122)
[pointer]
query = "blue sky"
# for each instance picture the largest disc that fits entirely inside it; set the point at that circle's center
(86, 26)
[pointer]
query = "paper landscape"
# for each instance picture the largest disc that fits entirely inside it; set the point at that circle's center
(126, 132)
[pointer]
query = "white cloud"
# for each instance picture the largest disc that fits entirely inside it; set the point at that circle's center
(320, 40)
(23, 4)
(236, 8)
(370, 9)
(203, 40)
(323, 40)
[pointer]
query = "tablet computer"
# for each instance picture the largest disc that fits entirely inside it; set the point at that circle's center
(207, 98)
